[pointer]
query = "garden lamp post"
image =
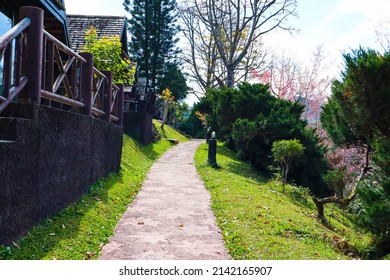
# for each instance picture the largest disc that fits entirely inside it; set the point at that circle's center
(212, 154)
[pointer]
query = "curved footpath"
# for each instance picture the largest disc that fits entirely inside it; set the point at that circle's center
(171, 216)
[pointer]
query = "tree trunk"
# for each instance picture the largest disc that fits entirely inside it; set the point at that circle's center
(166, 109)
(230, 76)
(331, 199)
(342, 201)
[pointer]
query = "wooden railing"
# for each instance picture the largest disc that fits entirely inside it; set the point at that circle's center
(11, 54)
(47, 71)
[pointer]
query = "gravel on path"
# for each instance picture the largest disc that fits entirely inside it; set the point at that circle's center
(171, 217)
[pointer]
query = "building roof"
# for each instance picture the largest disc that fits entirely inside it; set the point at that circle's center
(105, 26)
(55, 21)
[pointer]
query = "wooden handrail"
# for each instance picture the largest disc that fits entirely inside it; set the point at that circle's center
(99, 73)
(14, 91)
(13, 33)
(98, 112)
(61, 78)
(11, 91)
(63, 47)
(61, 99)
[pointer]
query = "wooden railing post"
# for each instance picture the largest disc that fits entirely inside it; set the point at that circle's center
(107, 96)
(48, 79)
(86, 82)
(32, 51)
(120, 98)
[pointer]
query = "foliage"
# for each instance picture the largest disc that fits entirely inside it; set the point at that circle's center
(152, 26)
(174, 79)
(250, 119)
(357, 114)
(193, 125)
(168, 102)
(107, 53)
(259, 222)
(284, 151)
(79, 231)
(358, 108)
(375, 193)
(375, 207)
(182, 111)
(336, 180)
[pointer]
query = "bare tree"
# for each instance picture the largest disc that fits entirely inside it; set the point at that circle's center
(236, 25)
(383, 34)
(201, 53)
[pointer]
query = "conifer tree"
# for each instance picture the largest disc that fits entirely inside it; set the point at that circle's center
(153, 27)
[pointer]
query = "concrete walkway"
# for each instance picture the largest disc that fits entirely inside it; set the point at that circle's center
(171, 217)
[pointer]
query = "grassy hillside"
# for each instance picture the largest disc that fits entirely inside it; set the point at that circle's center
(258, 221)
(169, 132)
(80, 231)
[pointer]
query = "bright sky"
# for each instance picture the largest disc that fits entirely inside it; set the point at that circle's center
(339, 25)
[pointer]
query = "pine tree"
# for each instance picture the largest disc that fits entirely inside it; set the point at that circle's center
(174, 79)
(153, 28)
(357, 114)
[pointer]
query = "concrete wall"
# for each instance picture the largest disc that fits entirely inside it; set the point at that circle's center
(52, 160)
(138, 125)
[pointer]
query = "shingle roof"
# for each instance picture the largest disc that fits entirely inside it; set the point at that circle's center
(105, 26)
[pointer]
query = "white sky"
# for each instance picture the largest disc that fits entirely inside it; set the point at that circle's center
(339, 25)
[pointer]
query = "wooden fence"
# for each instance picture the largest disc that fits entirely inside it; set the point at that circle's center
(39, 68)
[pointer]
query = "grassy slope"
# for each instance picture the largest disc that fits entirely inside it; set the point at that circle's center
(79, 231)
(257, 220)
(260, 222)
(169, 132)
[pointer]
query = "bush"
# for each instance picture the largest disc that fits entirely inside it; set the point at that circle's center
(375, 208)
(107, 53)
(284, 151)
(335, 179)
(250, 119)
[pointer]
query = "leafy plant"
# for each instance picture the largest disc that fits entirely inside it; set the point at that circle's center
(249, 118)
(357, 115)
(168, 98)
(5, 251)
(336, 180)
(107, 53)
(284, 151)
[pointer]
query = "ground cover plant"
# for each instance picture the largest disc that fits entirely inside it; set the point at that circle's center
(80, 231)
(258, 221)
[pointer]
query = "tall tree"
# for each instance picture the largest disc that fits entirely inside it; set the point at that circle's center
(357, 115)
(235, 25)
(174, 79)
(153, 27)
(207, 69)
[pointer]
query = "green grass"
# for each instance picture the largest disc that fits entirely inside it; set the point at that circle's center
(169, 132)
(258, 221)
(79, 231)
